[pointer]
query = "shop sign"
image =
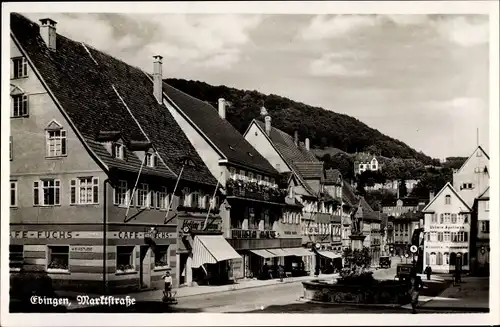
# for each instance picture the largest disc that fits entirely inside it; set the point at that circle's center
(447, 227)
(290, 232)
(41, 234)
(252, 234)
(155, 234)
(78, 248)
(197, 225)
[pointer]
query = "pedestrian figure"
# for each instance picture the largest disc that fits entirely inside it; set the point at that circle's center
(281, 272)
(457, 277)
(168, 284)
(428, 272)
(416, 285)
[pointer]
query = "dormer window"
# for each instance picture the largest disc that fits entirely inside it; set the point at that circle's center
(151, 160)
(118, 151)
(259, 179)
(56, 140)
(19, 67)
(250, 176)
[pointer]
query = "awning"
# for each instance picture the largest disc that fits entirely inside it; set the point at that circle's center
(211, 249)
(279, 252)
(299, 252)
(329, 254)
(263, 253)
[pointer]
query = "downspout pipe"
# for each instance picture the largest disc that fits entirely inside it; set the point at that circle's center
(104, 235)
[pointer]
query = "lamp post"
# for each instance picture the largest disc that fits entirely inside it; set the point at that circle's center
(316, 248)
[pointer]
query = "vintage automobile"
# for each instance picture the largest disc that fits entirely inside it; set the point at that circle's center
(385, 262)
(403, 270)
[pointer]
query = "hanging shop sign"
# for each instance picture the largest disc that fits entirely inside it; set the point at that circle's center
(196, 225)
(252, 234)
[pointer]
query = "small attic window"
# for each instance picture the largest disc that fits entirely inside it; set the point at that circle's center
(151, 160)
(250, 154)
(118, 151)
(188, 162)
(231, 147)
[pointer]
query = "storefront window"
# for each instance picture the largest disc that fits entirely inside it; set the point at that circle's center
(125, 259)
(161, 257)
(16, 257)
(58, 258)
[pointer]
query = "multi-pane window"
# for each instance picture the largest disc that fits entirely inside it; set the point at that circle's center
(58, 258)
(118, 151)
(446, 236)
(125, 259)
(485, 226)
(143, 196)
(232, 173)
(47, 192)
(250, 176)
(19, 67)
(454, 218)
(161, 256)
(439, 258)
(19, 105)
(195, 200)
(447, 199)
(446, 258)
(121, 193)
(266, 219)
(434, 218)
(16, 256)
(151, 160)
(84, 190)
(13, 194)
(242, 174)
(440, 236)
(162, 198)
(56, 143)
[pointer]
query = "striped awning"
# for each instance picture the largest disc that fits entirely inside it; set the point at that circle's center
(299, 252)
(329, 254)
(263, 253)
(279, 252)
(211, 249)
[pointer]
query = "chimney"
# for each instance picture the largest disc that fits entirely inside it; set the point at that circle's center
(307, 144)
(296, 138)
(158, 78)
(268, 125)
(222, 108)
(431, 195)
(48, 32)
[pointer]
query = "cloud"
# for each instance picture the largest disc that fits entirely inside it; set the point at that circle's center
(327, 26)
(334, 64)
(202, 40)
(465, 31)
(465, 106)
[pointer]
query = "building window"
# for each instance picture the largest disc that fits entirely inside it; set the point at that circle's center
(446, 258)
(143, 196)
(427, 258)
(56, 143)
(47, 192)
(242, 175)
(447, 199)
(454, 218)
(466, 218)
(273, 182)
(125, 259)
(439, 259)
(284, 217)
(266, 180)
(446, 236)
(266, 219)
(250, 176)
(13, 194)
(485, 226)
(440, 236)
(232, 173)
(19, 67)
(151, 160)
(84, 190)
(433, 258)
(486, 204)
(118, 151)
(259, 179)
(447, 218)
(19, 105)
(163, 199)
(58, 260)
(162, 257)
(121, 193)
(16, 257)
(195, 200)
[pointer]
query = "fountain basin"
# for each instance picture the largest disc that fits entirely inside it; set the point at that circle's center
(378, 292)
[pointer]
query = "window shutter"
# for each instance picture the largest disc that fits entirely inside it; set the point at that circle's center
(95, 189)
(63, 142)
(72, 187)
(36, 195)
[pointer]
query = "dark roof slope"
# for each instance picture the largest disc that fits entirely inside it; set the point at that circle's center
(225, 137)
(348, 194)
(368, 212)
(310, 170)
(95, 89)
(332, 176)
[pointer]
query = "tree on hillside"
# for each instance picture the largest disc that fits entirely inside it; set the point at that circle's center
(342, 162)
(433, 180)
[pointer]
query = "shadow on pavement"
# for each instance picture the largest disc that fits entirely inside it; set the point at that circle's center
(325, 308)
(143, 307)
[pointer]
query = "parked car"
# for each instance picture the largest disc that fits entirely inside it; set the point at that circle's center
(403, 270)
(385, 262)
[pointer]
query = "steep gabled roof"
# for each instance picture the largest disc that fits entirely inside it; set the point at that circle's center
(485, 195)
(100, 93)
(368, 212)
(448, 185)
(310, 170)
(224, 136)
(364, 157)
(479, 148)
(348, 194)
(332, 176)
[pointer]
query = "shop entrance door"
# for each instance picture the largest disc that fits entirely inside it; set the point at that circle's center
(145, 266)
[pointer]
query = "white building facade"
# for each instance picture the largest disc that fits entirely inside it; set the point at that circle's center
(447, 227)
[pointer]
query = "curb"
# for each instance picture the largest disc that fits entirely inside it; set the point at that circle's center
(301, 299)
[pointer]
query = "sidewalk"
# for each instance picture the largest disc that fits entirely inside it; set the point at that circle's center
(471, 294)
(182, 292)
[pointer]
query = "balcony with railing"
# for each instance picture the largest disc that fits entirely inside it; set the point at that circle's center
(253, 190)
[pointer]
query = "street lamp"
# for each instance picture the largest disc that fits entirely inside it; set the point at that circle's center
(316, 247)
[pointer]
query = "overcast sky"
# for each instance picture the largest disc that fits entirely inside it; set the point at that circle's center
(421, 79)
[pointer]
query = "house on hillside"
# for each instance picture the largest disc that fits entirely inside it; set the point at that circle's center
(99, 169)
(365, 161)
(473, 178)
(397, 207)
(261, 216)
(289, 156)
(447, 228)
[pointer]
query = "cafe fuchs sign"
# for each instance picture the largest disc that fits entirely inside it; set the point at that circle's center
(252, 234)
